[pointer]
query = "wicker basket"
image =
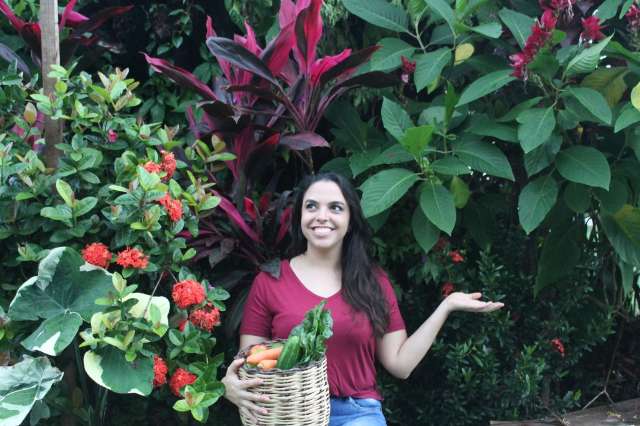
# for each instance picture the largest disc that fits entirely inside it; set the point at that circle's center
(299, 396)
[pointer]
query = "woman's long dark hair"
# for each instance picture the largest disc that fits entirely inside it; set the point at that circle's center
(360, 286)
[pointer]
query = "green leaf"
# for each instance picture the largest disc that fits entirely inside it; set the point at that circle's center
(65, 191)
(607, 9)
(24, 384)
(429, 66)
(536, 126)
(85, 205)
(387, 58)
(486, 84)
(615, 198)
(395, 154)
(623, 231)
(460, 191)
(540, 158)
(535, 201)
(587, 60)
(516, 110)
(395, 119)
(484, 126)
(484, 157)
(423, 230)
(519, 24)
(586, 165)
(109, 368)
(442, 8)
(491, 29)
(609, 82)
(148, 181)
(560, 253)
(385, 188)
(628, 115)
(54, 334)
(593, 101)
(379, 13)
(61, 212)
(437, 204)
(577, 197)
(450, 166)
(416, 139)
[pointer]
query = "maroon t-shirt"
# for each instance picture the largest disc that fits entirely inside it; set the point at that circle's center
(275, 306)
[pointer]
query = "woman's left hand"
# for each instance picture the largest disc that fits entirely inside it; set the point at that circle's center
(470, 302)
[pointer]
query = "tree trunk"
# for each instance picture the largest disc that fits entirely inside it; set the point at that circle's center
(50, 56)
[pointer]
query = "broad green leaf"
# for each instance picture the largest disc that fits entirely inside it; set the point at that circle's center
(395, 154)
(628, 115)
(423, 230)
(65, 191)
(609, 82)
(586, 165)
(484, 157)
(623, 231)
(61, 212)
(54, 334)
(429, 66)
(615, 198)
(379, 13)
(577, 197)
(384, 189)
(416, 139)
(535, 201)
(437, 204)
(491, 29)
(85, 205)
(627, 275)
(22, 385)
(387, 58)
(109, 368)
(518, 23)
(540, 158)
(484, 126)
(338, 165)
(587, 60)
(361, 161)
(148, 181)
(442, 8)
(635, 96)
(395, 119)
(450, 166)
(593, 101)
(376, 222)
(516, 110)
(460, 191)
(560, 253)
(536, 126)
(486, 84)
(607, 9)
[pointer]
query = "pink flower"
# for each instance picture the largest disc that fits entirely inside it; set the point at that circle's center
(408, 66)
(112, 135)
(591, 29)
(548, 20)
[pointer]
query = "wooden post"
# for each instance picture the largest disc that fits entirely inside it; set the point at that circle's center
(50, 42)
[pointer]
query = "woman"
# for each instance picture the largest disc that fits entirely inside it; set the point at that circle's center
(330, 260)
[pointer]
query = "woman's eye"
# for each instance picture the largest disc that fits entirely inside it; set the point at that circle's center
(337, 208)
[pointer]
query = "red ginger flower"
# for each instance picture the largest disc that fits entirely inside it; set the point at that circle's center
(172, 207)
(160, 371)
(558, 345)
(408, 66)
(168, 164)
(132, 258)
(97, 254)
(633, 17)
(205, 318)
(591, 29)
(447, 288)
(540, 34)
(187, 293)
(455, 256)
(152, 167)
(180, 379)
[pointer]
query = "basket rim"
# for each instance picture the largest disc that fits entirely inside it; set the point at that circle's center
(275, 370)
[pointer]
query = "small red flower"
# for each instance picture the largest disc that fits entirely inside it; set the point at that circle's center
(205, 318)
(187, 293)
(172, 207)
(558, 346)
(447, 288)
(168, 164)
(160, 371)
(455, 256)
(132, 258)
(97, 254)
(633, 17)
(112, 136)
(180, 379)
(548, 20)
(152, 167)
(408, 66)
(182, 324)
(591, 29)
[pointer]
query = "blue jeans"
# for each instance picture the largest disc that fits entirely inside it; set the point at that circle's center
(356, 412)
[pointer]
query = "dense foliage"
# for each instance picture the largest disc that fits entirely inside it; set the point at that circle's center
(496, 146)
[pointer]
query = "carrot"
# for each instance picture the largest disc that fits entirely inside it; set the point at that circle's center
(257, 348)
(267, 364)
(272, 354)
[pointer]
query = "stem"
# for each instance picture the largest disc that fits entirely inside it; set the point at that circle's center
(102, 404)
(152, 293)
(417, 37)
(81, 372)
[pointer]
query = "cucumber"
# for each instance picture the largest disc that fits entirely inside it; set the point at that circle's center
(290, 353)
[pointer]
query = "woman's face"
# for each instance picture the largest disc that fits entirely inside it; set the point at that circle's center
(325, 216)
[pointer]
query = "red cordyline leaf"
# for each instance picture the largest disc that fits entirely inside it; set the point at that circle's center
(263, 203)
(96, 21)
(276, 54)
(224, 65)
(16, 22)
(285, 220)
(323, 65)
(181, 76)
(71, 18)
(250, 208)
(235, 216)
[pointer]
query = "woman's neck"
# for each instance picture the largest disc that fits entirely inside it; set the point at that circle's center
(323, 259)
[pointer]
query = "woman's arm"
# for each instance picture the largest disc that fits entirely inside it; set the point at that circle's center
(400, 354)
(247, 340)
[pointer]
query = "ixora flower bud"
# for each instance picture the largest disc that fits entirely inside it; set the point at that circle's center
(180, 379)
(188, 293)
(160, 371)
(97, 254)
(132, 258)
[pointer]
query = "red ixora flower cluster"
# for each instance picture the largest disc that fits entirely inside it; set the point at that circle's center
(540, 33)
(633, 18)
(591, 29)
(188, 293)
(455, 256)
(558, 346)
(447, 288)
(180, 379)
(160, 371)
(132, 258)
(167, 164)
(97, 254)
(172, 207)
(205, 318)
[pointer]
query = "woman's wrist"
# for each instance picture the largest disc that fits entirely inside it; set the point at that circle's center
(446, 306)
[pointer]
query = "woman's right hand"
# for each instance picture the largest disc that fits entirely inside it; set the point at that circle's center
(236, 391)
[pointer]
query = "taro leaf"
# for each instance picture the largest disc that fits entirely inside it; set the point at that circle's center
(10, 56)
(438, 205)
(535, 201)
(423, 230)
(109, 368)
(22, 385)
(623, 231)
(64, 291)
(181, 76)
(384, 189)
(302, 141)
(238, 55)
